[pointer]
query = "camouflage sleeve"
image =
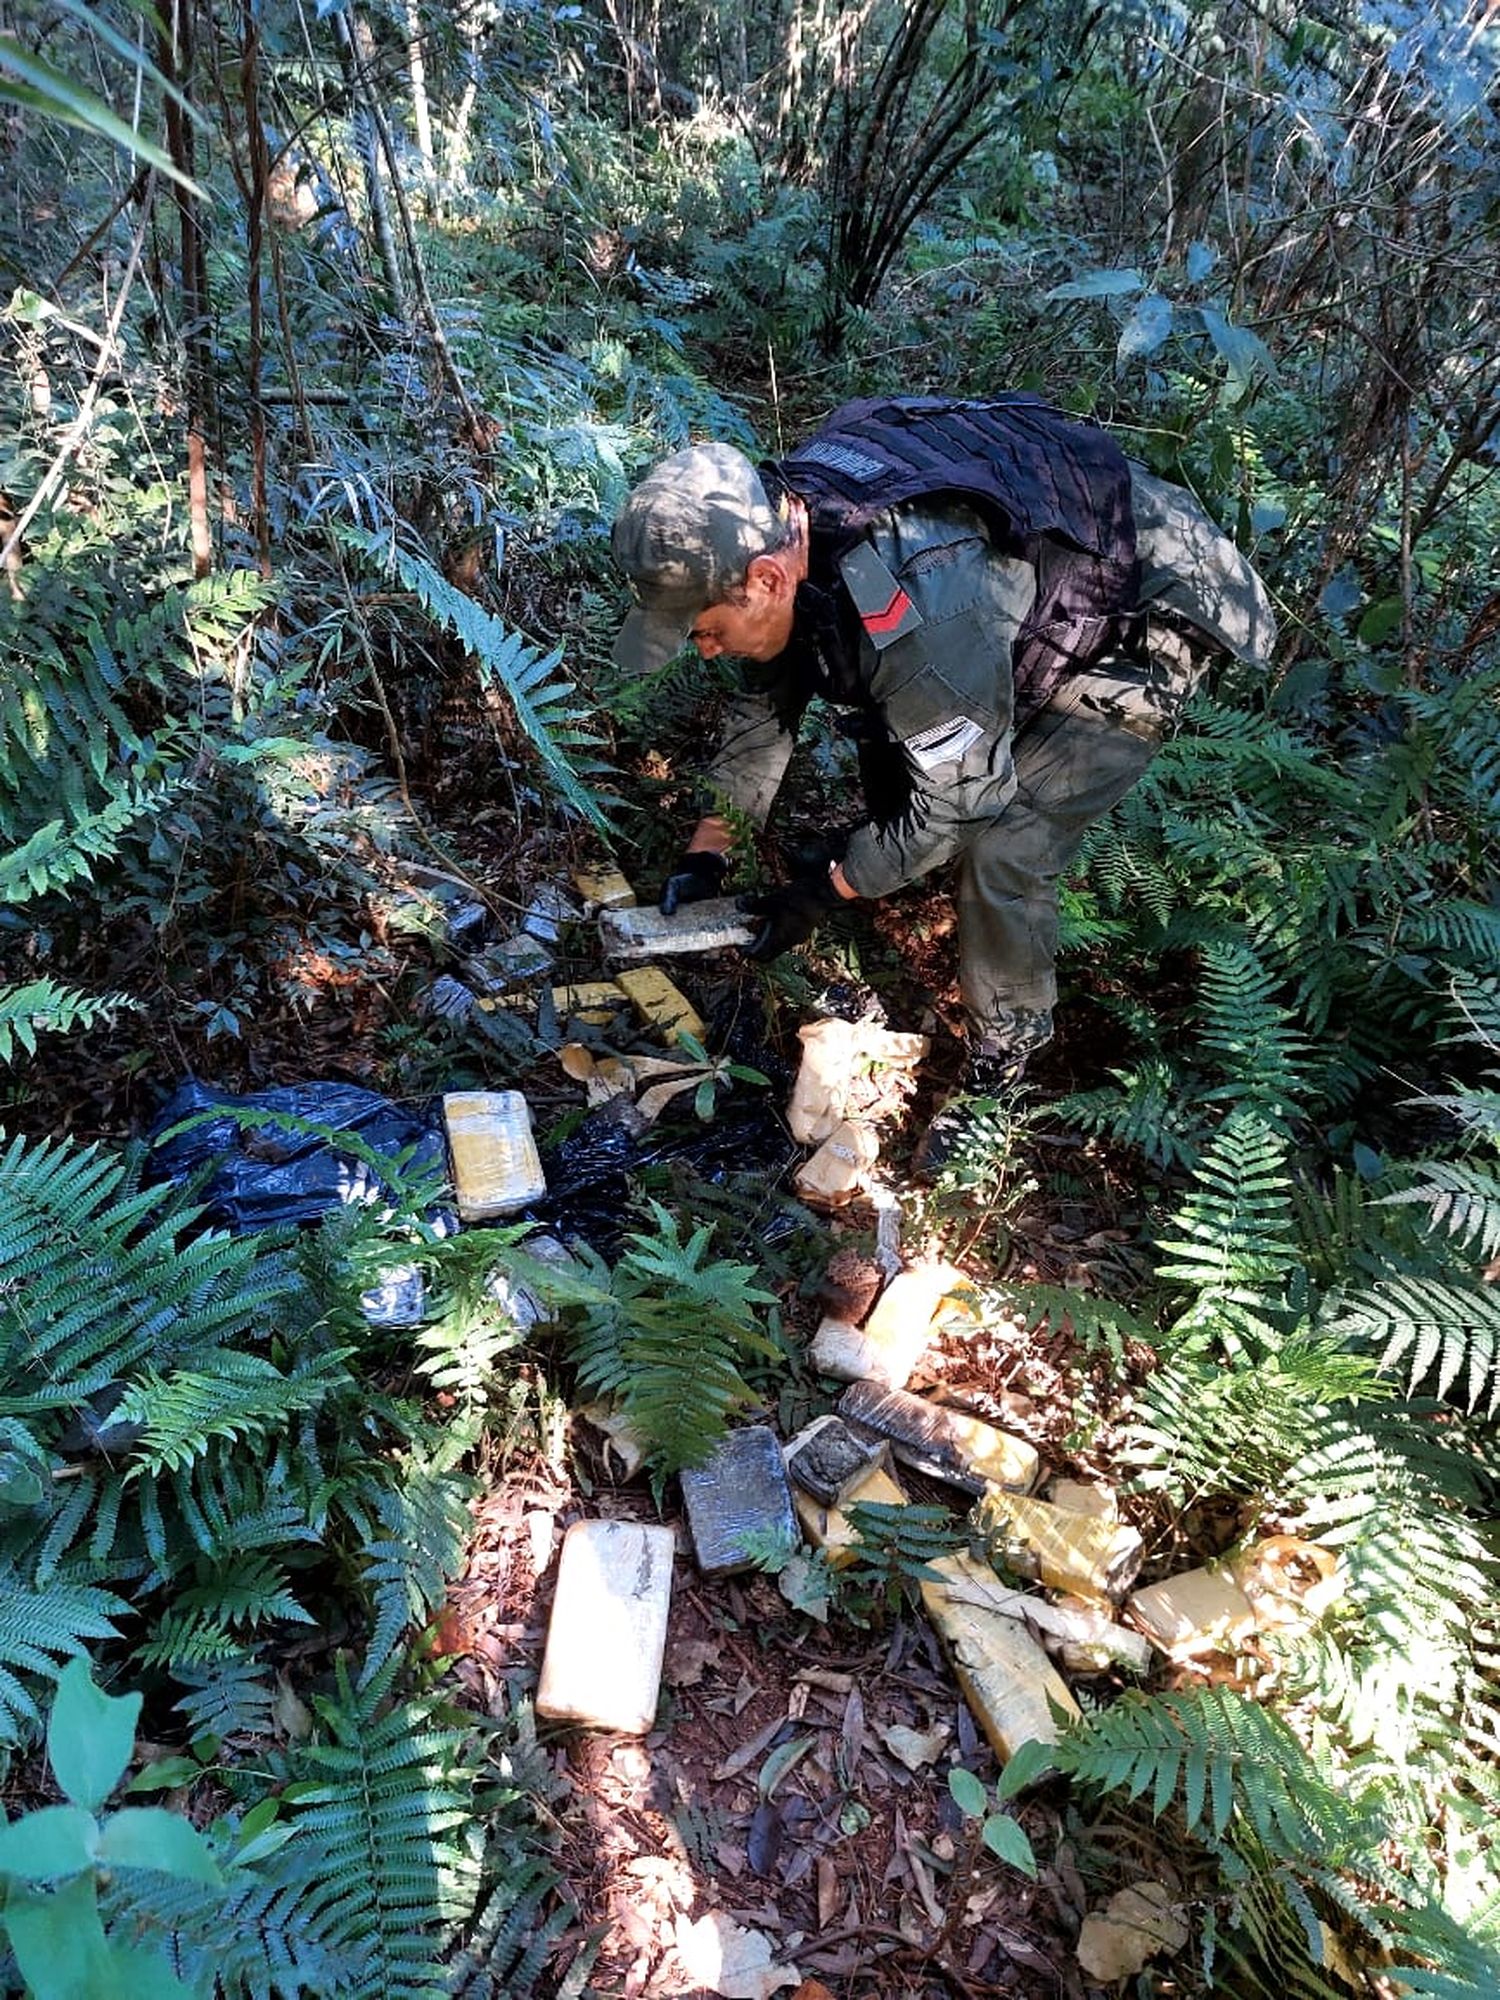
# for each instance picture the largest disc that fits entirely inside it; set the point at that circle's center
(754, 750)
(945, 688)
(1189, 566)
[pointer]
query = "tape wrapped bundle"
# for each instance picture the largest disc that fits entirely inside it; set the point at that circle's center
(853, 1075)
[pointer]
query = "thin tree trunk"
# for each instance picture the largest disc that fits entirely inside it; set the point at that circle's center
(175, 60)
(417, 64)
(426, 313)
(367, 135)
(255, 207)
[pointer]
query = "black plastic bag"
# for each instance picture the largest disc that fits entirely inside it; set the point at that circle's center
(264, 1174)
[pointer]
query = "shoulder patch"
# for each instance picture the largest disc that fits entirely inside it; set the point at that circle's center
(843, 458)
(885, 610)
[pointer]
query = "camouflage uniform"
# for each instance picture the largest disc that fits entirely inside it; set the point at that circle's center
(1009, 798)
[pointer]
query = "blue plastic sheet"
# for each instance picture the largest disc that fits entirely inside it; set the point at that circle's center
(261, 1174)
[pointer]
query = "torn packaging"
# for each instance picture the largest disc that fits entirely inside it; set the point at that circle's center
(1067, 1549)
(1016, 1694)
(949, 1444)
(828, 1457)
(850, 1069)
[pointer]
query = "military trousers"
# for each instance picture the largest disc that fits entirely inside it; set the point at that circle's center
(1074, 759)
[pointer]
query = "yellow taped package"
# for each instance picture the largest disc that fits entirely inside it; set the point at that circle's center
(1006, 1678)
(604, 889)
(496, 1168)
(1068, 1550)
(659, 1003)
(830, 1529)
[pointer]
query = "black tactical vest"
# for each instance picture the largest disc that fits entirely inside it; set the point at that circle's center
(1054, 492)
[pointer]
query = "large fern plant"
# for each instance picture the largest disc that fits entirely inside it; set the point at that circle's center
(545, 704)
(1327, 1362)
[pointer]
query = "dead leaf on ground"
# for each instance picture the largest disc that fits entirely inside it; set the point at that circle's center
(915, 1747)
(688, 1659)
(722, 1955)
(741, 1759)
(1118, 1941)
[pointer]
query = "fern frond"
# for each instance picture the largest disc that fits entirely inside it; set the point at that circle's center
(1453, 929)
(96, 1280)
(1232, 1247)
(386, 1813)
(1097, 1323)
(40, 1631)
(528, 678)
(1445, 1333)
(514, 1935)
(227, 1697)
(1224, 1762)
(1479, 1003)
(1198, 1427)
(1462, 1201)
(65, 851)
(413, 1534)
(243, 1399)
(1249, 1037)
(666, 1338)
(43, 1007)
(1146, 1108)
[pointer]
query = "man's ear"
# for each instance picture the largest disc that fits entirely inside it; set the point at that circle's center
(773, 575)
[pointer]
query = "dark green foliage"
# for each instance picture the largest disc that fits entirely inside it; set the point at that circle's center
(527, 678)
(380, 1838)
(391, 1847)
(1290, 1838)
(895, 1550)
(665, 1333)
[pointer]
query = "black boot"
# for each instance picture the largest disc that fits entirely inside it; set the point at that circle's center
(988, 1077)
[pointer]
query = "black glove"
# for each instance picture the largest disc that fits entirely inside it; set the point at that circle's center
(789, 914)
(695, 879)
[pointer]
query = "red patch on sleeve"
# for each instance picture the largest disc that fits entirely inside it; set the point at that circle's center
(876, 623)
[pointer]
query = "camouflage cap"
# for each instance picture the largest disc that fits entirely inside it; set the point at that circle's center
(684, 539)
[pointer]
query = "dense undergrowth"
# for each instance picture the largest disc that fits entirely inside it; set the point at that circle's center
(314, 476)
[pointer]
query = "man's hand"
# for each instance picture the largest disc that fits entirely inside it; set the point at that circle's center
(698, 876)
(789, 915)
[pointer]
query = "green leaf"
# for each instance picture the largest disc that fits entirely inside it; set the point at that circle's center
(59, 1942)
(1244, 352)
(50, 94)
(1145, 330)
(780, 1762)
(1030, 1764)
(166, 1774)
(92, 17)
(1380, 621)
(90, 1736)
(150, 1837)
(1003, 1837)
(44, 1845)
(1099, 285)
(803, 1581)
(20, 1481)
(1201, 258)
(968, 1793)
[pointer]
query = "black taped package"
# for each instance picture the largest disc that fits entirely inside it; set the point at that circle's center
(263, 1174)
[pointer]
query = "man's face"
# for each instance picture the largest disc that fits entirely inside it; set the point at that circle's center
(755, 625)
